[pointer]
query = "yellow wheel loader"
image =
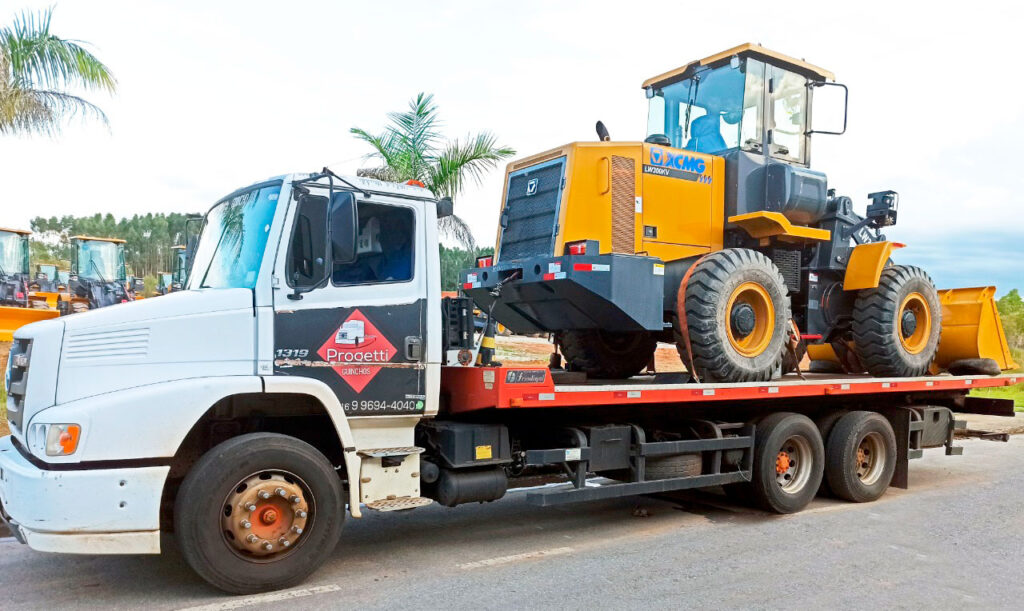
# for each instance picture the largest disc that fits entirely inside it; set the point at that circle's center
(18, 307)
(99, 276)
(714, 233)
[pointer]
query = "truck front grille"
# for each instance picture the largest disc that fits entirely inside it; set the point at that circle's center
(18, 362)
(531, 211)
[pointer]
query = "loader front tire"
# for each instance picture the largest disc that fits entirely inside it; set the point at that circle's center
(896, 325)
(737, 312)
(606, 354)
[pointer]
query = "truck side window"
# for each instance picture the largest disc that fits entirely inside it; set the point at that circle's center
(308, 249)
(384, 251)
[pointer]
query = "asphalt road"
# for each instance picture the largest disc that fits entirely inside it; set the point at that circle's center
(952, 540)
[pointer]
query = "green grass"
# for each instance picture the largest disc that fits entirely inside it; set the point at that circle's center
(1003, 392)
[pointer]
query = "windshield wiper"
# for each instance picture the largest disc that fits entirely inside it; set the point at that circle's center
(3, 272)
(99, 272)
(689, 105)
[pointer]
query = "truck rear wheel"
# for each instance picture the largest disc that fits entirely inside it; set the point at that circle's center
(259, 512)
(606, 354)
(860, 456)
(788, 462)
(896, 325)
(737, 312)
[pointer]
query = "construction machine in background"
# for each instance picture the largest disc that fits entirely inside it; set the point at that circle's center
(18, 307)
(715, 234)
(98, 274)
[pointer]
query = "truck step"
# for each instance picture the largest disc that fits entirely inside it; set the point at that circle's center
(386, 452)
(404, 502)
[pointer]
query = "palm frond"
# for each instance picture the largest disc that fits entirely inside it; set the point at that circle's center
(460, 162)
(42, 112)
(455, 228)
(38, 58)
(384, 173)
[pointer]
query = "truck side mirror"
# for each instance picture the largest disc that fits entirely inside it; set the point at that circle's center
(445, 207)
(344, 224)
(830, 101)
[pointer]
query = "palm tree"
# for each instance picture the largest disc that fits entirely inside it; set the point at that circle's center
(411, 148)
(37, 68)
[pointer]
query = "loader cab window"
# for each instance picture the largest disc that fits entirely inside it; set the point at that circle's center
(13, 254)
(384, 250)
(708, 112)
(787, 107)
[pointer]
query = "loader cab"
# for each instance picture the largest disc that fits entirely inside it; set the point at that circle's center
(100, 259)
(751, 106)
(748, 99)
(99, 274)
(14, 266)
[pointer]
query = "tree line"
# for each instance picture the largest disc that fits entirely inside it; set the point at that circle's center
(149, 238)
(1011, 311)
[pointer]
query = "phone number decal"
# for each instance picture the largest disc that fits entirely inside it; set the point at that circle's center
(369, 406)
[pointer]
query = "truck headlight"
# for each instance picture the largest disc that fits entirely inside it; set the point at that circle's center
(55, 439)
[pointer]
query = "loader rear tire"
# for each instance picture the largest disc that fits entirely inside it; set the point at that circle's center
(606, 354)
(896, 325)
(727, 348)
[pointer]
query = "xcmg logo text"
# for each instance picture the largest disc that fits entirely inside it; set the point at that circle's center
(667, 159)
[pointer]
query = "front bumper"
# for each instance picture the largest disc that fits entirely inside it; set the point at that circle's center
(84, 511)
(610, 292)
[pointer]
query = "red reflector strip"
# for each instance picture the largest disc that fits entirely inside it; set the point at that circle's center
(590, 267)
(555, 276)
(470, 285)
(810, 336)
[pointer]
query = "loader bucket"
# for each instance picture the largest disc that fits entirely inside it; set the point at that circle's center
(50, 297)
(13, 318)
(971, 327)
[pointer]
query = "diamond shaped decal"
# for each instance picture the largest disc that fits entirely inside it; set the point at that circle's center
(353, 349)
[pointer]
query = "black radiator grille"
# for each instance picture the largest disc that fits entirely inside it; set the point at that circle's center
(18, 361)
(531, 211)
(788, 262)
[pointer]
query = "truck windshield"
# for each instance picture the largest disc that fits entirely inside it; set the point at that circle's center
(234, 237)
(102, 261)
(13, 253)
(708, 112)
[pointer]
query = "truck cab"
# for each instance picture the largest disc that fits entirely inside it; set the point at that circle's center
(313, 307)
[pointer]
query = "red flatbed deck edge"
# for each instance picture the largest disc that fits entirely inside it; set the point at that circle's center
(474, 388)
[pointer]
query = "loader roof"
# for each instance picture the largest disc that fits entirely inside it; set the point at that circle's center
(745, 50)
(17, 231)
(95, 239)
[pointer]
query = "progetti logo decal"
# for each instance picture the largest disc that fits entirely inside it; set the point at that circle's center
(354, 348)
(664, 162)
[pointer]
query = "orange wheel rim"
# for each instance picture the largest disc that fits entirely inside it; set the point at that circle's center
(916, 342)
(756, 342)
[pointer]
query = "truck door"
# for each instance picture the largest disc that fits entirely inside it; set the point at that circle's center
(361, 331)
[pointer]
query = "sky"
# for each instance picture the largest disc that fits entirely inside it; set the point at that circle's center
(213, 96)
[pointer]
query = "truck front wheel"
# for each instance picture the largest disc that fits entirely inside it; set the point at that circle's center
(259, 512)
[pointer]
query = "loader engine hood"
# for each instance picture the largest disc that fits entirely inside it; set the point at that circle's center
(183, 335)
